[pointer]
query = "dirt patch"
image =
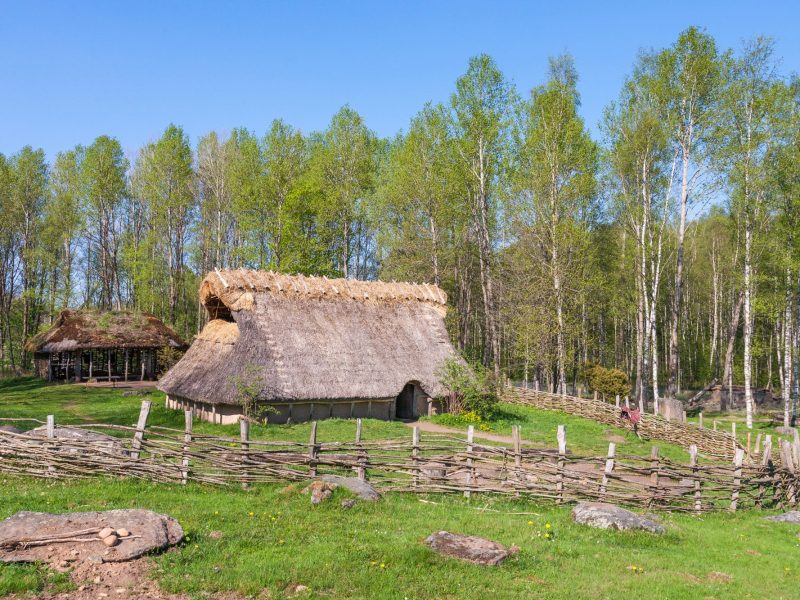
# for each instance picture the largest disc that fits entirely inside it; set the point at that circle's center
(719, 577)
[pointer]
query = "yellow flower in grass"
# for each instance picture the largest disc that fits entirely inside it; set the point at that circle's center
(251, 514)
(547, 525)
(383, 566)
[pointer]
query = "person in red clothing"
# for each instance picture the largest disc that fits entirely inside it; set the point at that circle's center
(634, 415)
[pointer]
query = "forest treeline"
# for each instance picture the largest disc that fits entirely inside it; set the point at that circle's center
(667, 248)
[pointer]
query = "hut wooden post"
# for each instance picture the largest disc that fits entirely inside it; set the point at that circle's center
(126, 364)
(561, 436)
(698, 504)
(109, 364)
(737, 478)
(609, 468)
(91, 362)
(312, 450)
(141, 361)
(136, 446)
(361, 471)
(470, 465)
(655, 464)
(187, 440)
(51, 434)
(415, 454)
(244, 439)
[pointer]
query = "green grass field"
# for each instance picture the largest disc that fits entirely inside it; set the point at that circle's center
(272, 538)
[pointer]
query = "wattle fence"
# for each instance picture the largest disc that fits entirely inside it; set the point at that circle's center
(432, 463)
(710, 442)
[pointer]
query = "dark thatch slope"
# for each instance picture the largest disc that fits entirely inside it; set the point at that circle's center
(84, 329)
(308, 338)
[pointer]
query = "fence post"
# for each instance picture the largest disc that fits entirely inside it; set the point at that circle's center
(312, 450)
(561, 436)
(612, 447)
(788, 461)
(595, 395)
(698, 505)
(187, 440)
(766, 470)
(616, 401)
(244, 438)
(470, 467)
(748, 443)
(757, 447)
(796, 447)
(737, 478)
(415, 454)
(715, 424)
(51, 434)
(360, 470)
(654, 468)
(140, 425)
(700, 419)
(641, 406)
(627, 402)
(684, 419)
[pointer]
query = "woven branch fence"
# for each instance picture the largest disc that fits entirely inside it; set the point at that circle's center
(434, 463)
(717, 444)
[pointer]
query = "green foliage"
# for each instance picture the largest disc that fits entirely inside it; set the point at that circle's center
(472, 390)
(607, 382)
(166, 358)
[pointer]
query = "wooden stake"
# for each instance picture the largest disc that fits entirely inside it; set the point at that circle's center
(470, 466)
(140, 425)
(700, 420)
(616, 401)
(244, 439)
(415, 454)
(312, 450)
(737, 478)
(612, 447)
(654, 468)
(51, 434)
(187, 440)
(698, 506)
(561, 436)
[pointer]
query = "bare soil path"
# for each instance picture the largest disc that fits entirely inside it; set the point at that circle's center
(436, 428)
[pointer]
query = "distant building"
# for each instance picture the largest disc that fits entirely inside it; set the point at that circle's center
(113, 345)
(313, 348)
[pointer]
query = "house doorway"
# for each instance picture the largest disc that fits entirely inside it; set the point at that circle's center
(404, 405)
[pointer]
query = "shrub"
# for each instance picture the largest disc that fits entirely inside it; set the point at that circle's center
(472, 390)
(608, 382)
(166, 358)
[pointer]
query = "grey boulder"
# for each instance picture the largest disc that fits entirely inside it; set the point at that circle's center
(469, 548)
(608, 516)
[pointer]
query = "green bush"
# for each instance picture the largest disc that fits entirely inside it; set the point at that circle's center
(472, 390)
(607, 382)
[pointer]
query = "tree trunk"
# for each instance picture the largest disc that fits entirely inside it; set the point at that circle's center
(748, 323)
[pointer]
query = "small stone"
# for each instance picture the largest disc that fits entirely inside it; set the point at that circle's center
(120, 590)
(94, 558)
(102, 595)
(216, 535)
(81, 588)
(97, 579)
(105, 532)
(123, 532)
(349, 503)
(74, 552)
(110, 540)
(320, 491)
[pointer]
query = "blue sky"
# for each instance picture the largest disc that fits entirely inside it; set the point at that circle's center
(70, 71)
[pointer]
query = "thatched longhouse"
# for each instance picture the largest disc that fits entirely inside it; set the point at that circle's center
(312, 348)
(113, 345)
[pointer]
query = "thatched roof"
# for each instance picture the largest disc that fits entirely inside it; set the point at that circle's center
(308, 338)
(85, 329)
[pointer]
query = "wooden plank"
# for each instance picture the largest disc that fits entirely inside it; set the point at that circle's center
(136, 446)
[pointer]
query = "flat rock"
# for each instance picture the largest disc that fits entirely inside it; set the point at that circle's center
(608, 516)
(793, 516)
(359, 487)
(98, 440)
(149, 531)
(469, 548)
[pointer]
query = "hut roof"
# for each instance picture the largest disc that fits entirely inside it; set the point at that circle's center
(308, 338)
(84, 329)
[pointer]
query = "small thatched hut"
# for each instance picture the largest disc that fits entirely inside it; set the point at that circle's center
(312, 348)
(113, 345)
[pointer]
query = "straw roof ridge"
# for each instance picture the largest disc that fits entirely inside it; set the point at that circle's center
(86, 328)
(235, 288)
